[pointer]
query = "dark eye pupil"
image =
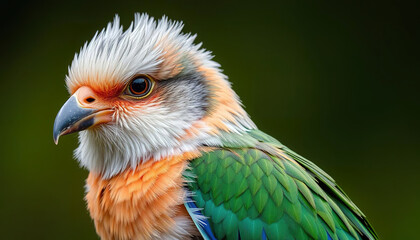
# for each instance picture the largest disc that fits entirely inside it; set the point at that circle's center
(138, 86)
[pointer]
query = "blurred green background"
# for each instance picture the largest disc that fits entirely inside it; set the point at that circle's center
(338, 83)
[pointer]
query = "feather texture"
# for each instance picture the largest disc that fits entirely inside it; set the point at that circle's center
(145, 203)
(247, 191)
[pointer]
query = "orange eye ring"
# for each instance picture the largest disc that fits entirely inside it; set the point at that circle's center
(140, 86)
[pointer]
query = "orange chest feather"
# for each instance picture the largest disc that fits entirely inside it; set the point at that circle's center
(144, 203)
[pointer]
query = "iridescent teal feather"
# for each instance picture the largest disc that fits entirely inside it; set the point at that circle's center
(256, 188)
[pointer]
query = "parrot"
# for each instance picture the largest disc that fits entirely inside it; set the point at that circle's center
(172, 154)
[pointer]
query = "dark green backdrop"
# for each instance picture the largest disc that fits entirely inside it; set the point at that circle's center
(338, 83)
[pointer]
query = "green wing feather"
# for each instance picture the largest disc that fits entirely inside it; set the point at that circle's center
(257, 185)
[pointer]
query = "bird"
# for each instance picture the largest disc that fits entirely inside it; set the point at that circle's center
(172, 154)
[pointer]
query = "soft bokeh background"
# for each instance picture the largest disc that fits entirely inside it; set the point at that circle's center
(338, 83)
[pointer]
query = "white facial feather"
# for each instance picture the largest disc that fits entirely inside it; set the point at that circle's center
(152, 132)
(155, 130)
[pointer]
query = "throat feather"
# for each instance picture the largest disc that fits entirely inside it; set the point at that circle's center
(141, 203)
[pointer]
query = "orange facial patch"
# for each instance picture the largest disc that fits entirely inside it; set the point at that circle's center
(140, 203)
(224, 105)
(104, 87)
(115, 96)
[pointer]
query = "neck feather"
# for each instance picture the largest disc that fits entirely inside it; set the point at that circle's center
(142, 203)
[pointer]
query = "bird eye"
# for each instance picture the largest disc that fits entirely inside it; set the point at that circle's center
(140, 86)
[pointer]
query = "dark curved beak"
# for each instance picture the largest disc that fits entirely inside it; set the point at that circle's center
(73, 117)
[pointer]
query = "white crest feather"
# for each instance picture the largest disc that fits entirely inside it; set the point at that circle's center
(117, 55)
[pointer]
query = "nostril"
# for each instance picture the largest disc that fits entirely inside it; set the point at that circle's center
(90, 100)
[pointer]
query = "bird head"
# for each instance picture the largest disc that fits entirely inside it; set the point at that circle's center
(144, 94)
